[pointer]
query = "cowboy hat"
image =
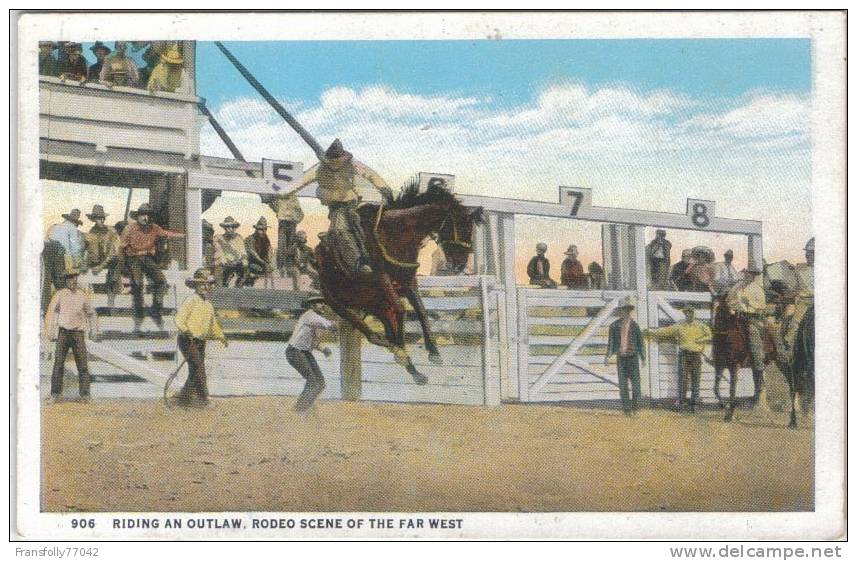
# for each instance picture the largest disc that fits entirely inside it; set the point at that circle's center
(200, 276)
(73, 216)
(541, 246)
(97, 212)
(660, 232)
(729, 253)
(687, 307)
(262, 224)
(810, 245)
(335, 151)
(48, 43)
(172, 55)
(100, 46)
(307, 304)
(229, 222)
(72, 45)
(627, 302)
(72, 272)
(145, 208)
(570, 248)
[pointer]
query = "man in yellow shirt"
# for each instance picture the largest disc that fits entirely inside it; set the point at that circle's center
(691, 335)
(197, 323)
(335, 175)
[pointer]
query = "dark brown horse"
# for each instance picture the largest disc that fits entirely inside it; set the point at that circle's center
(395, 232)
(731, 350)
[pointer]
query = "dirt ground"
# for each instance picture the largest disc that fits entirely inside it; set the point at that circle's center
(255, 454)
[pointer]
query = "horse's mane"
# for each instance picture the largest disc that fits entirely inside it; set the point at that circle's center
(410, 196)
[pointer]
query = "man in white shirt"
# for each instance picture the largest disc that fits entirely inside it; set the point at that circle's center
(299, 350)
(70, 316)
(726, 274)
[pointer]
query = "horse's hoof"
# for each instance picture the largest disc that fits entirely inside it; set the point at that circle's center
(435, 358)
(420, 379)
(728, 417)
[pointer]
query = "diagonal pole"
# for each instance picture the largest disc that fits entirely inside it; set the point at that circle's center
(224, 136)
(302, 132)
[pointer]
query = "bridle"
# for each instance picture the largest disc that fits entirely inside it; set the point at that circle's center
(456, 240)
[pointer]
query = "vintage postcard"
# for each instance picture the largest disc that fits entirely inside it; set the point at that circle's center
(430, 276)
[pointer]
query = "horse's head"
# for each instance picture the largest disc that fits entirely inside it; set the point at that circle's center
(455, 235)
(452, 223)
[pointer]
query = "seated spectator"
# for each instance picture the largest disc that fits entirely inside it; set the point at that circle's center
(571, 272)
(74, 65)
(230, 254)
(169, 75)
(101, 51)
(260, 256)
(538, 269)
(119, 69)
(47, 61)
(677, 276)
(596, 276)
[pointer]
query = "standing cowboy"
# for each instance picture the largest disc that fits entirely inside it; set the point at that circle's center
(230, 254)
(64, 249)
(678, 274)
(691, 335)
(138, 245)
(747, 298)
(70, 316)
(299, 351)
(169, 75)
(658, 253)
(260, 260)
(539, 268)
(48, 65)
(197, 323)
(102, 250)
(101, 51)
(74, 65)
(289, 214)
(625, 340)
(571, 271)
(120, 69)
(335, 175)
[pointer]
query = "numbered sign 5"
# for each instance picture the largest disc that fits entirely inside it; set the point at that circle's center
(578, 199)
(279, 175)
(700, 212)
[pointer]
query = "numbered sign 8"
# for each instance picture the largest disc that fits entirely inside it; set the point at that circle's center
(700, 212)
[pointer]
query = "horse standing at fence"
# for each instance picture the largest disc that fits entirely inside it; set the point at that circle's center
(730, 350)
(396, 230)
(803, 363)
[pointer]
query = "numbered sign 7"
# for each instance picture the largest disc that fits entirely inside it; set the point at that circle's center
(578, 199)
(700, 212)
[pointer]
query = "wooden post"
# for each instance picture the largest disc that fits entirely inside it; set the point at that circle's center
(490, 377)
(638, 241)
(755, 255)
(503, 247)
(193, 221)
(350, 361)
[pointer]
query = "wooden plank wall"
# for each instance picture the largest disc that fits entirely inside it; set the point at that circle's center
(554, 319)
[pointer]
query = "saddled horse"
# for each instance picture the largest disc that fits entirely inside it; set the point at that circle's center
(395, 232)
(730, 350)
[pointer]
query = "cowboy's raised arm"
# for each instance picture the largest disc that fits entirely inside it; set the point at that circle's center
(370, 175)
(308, 177)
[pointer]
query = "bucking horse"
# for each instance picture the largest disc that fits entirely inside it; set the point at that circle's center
(395, 232)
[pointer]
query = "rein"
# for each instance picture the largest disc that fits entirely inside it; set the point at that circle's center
(389, 258)
(455, 239)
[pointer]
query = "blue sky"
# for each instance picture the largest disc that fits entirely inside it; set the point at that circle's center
(508, 72)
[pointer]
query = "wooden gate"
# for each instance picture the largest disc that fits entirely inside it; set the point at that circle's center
(563, 342)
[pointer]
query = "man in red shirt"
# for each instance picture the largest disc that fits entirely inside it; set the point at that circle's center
(139, 244)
